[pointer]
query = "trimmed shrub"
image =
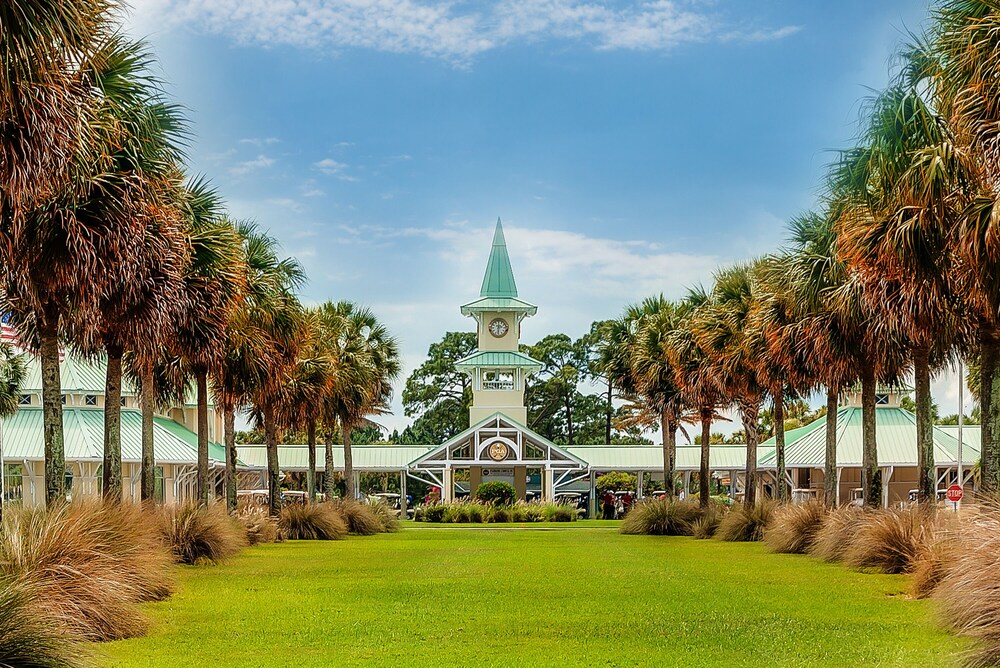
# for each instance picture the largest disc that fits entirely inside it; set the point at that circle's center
(201, 534)
(361, 520)
(660, 517)
(745, 523)
(86, 564)
(386, 516)
(497, 493)
(793, 527)
(258, 525)
(27, 636)
(615, 481)
(836, 533)
(890, 541)
(708, 520)
(312, 521)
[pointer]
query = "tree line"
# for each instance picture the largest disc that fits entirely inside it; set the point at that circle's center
(111, 249)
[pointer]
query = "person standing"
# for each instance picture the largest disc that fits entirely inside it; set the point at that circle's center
(608, 504)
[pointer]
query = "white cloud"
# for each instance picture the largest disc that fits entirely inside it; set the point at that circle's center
(260, 162)
(456, 32)
(331, 167)
(260, 141)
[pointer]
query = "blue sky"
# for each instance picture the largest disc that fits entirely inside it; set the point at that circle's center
(630, 148)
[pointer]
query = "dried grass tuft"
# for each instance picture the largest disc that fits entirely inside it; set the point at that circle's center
(793, 527)
(198, 534)
(745, 523)
(312, 521)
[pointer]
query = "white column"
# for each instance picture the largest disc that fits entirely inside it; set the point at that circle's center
(402, 494)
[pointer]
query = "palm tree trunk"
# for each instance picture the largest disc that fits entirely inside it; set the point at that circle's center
(608, 413)
(311, 475)
(202, 437)
(705, 470)
(348, 459)
(989, 394)
(870, 478)
(328, 486)
(926, 482)
(229, 438)
(779, 443)
(750, 412)
(55, 453)
(830, 466)
(147, 477)
(112, 465)
(668, 425)
(273, 479)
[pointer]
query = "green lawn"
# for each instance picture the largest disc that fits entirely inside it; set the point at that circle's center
(567, 596)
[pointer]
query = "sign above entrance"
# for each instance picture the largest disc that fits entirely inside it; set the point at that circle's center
(498, 451)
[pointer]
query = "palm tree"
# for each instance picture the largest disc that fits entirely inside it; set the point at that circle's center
(366, 361)
(965, 76)
(695, 376)
(214, 280)
(261, 343)
(137, 303)
(12, 373)
(632, 357)
(893, 235)
(722, 328)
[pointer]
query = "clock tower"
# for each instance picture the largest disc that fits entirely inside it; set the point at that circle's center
(498, 369)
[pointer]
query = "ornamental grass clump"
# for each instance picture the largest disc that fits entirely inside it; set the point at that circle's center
(28, 637)
(361, 520)
(793, 527)
(968, 594)
(560, 512)
(386, 516)
(201, 534)
(258, 525)
(660, 517)
(312, 521)
(500, 514)
(890, 541)
(745, 523)
(86, 565)
(706, 524)
(836, 533)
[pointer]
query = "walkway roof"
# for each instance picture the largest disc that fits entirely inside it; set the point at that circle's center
(366, 457)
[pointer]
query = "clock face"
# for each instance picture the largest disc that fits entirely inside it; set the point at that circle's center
(498, 451)
(498, 327)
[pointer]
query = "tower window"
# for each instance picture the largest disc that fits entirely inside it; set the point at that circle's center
(90, 400)
(25, 400)
(498, 380)
(64, 400)
(881, 399)
(123, 401)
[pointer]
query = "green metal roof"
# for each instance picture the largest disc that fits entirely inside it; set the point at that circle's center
(895, 436)
(366, 457)
(650, 457)
(76, 375)
(83, 436)
(499, 278)
(507, 359)
(499, 304)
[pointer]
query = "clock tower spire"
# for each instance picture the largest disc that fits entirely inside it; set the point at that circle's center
(498, 369)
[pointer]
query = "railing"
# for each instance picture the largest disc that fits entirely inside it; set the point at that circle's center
(498, 385)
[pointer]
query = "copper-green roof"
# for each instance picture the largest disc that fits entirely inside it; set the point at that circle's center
(505, 359)
(650, 457)
(499, 278)
(83, 437)
(365, 457)
(499, 304)
(77, 376)
(895, 437)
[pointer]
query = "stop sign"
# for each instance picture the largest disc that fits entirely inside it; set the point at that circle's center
(955, 493)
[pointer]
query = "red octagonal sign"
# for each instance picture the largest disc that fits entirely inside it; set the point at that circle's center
(955, 493)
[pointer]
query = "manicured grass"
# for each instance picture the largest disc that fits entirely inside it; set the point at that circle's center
(567, 595)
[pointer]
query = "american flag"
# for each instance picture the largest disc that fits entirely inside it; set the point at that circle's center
(9, 335)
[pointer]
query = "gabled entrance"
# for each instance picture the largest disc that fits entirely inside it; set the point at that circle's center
(497, 448)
